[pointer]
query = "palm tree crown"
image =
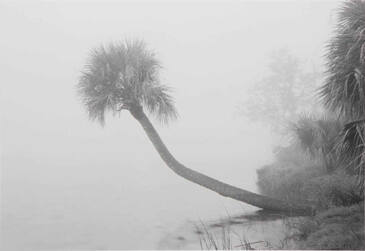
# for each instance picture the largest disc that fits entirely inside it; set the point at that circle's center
(124, 76)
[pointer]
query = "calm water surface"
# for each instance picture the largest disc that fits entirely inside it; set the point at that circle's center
(65, 202)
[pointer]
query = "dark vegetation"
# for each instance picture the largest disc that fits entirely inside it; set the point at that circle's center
(324, 163)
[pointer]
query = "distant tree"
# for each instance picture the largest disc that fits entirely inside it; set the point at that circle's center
(125, 77)
(283, 94)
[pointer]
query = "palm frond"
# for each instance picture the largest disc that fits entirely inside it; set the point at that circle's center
(158, 101)
(344, 89)
(98, 84)
(305, 131)
(351, 146)
(317, 136)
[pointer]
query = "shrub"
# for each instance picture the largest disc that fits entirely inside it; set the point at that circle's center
(336, 228)
(286, 177)
(336, 189)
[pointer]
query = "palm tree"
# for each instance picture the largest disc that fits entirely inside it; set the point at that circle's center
(344, 89)
(124, 76)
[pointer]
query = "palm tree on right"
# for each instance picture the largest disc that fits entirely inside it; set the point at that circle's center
(344, 90)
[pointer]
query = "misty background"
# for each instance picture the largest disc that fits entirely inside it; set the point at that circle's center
(67, 182)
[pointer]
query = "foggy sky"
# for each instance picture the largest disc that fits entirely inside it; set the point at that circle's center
(211, 54)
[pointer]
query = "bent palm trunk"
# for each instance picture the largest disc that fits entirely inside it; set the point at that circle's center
(211, 183)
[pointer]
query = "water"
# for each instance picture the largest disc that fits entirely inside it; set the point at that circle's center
(249, 230)
(53, 206)
(108, 189)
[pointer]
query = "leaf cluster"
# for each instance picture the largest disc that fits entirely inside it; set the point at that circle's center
(123, 75)
(344, 88)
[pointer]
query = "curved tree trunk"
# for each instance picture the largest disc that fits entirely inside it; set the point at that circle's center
(211, 183)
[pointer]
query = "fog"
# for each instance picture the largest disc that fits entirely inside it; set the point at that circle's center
(68, 182)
